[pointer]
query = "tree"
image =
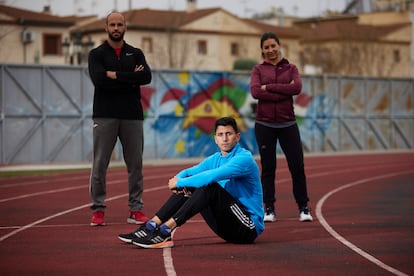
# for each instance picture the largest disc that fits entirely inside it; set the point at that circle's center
(244, 64)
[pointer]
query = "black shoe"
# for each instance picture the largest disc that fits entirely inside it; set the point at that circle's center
(152, 239)
(128, 238)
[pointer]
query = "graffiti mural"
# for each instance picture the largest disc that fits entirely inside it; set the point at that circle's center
(181, 108)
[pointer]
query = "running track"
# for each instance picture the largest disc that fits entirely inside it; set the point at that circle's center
(362, 206)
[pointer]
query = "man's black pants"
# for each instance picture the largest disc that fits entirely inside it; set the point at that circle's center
(219, 209)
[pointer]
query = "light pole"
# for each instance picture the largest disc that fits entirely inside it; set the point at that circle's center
(86, 47)
(77, 47)
(66, 50)
(75, 50)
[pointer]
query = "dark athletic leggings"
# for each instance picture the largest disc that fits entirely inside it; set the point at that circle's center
(218, 208)
(289, 140)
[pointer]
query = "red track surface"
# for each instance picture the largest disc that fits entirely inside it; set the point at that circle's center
(362, 207)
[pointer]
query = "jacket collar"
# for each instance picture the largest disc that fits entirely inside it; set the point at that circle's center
(282, 61)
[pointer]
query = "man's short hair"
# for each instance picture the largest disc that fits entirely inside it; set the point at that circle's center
(227, 121)
(114, 12)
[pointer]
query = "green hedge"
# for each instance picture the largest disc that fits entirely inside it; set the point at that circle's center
(244, 64)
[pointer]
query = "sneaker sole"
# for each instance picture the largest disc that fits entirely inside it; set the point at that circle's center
(305, 219)
(125, 240)
(97, 224)
(133, 221)
(166, 244)
(269, 219)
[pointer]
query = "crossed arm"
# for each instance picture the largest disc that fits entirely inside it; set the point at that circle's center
(112, 74)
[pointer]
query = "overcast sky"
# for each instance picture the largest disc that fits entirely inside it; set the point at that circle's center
(242, 8)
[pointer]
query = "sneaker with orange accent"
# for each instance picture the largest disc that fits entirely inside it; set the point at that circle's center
(98, 218)
(137, 217)
(152, 239)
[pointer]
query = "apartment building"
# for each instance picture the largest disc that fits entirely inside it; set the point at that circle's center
(367, 44)
(356, 45)
(34, 38)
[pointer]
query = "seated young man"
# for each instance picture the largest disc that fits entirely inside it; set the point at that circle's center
(224, 188)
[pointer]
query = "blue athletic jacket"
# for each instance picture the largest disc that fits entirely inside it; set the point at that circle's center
(237, 173)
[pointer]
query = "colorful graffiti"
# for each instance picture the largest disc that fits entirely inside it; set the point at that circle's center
(181, 108)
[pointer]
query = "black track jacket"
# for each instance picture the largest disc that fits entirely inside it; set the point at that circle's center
(119, 98)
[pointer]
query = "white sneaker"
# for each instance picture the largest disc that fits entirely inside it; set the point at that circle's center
(269, 216)
(305, 214)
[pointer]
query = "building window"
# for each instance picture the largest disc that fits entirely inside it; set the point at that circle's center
(202, 47)
(234, 49)
(147, 44)
(396, 56)
(52, 44)
(323, 56)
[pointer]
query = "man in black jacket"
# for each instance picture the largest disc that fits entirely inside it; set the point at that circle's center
(117, 70)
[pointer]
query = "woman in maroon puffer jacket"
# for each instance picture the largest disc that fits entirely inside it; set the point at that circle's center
(273, 83)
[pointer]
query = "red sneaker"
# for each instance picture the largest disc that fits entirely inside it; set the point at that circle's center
(137, 217)
(98, 218)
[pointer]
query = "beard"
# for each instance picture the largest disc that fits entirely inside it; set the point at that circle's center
(118, 38)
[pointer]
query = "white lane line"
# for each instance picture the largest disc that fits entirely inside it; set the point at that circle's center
(43, 193)
(168, 262)
(27, 226)
(167, 254)
(79, 225)
(42, 181)
(112, 182)
(338, 237)
(114, 174)
(150, 178)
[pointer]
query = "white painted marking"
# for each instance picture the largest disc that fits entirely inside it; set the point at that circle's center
(167, 253)
(27, 226)
(168, 262)
(73, 188)
(338, 237)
